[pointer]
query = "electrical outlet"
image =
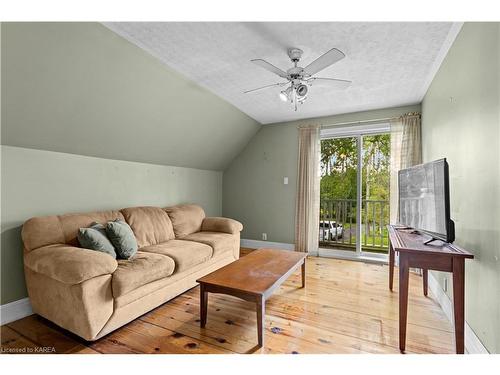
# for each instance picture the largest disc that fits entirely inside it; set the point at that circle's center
(264, 236)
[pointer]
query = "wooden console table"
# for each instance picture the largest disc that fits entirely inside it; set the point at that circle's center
(438, 256)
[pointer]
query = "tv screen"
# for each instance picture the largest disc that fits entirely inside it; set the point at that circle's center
(424, 199)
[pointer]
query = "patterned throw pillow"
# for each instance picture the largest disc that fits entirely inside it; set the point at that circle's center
(122, 237)
(95, 238)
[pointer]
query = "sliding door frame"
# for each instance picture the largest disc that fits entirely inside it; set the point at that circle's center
(358, 132)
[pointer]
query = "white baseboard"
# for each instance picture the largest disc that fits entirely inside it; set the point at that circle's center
(256, 244)
(15, 310)
(472, 343)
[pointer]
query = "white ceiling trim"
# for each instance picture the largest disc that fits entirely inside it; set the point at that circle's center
(450, 38)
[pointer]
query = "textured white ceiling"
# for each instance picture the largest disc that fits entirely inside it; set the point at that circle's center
(390, 64)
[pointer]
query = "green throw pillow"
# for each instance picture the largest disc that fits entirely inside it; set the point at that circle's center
(94, 238)
(121, 236)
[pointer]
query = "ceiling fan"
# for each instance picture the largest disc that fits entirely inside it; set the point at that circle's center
(298, 79)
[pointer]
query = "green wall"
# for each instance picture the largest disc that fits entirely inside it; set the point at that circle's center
(254, 192)
(461, 121)
(36, 182)
(117, 128)
(82, 89)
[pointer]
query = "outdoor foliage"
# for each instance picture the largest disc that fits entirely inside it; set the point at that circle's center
(339, 163)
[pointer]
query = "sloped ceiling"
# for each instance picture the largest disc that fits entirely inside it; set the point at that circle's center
(81, 88)
(390, 64)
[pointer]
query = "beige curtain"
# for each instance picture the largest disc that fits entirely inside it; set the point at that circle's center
(308, 185)
(406, 151)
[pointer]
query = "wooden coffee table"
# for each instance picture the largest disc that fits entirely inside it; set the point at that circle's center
(253, 278)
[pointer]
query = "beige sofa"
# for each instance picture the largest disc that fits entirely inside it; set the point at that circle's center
(91, 294)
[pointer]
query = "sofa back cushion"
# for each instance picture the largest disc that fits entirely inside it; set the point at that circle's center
(151, 225)
(42, 231)
(186, 218)
(61, 229)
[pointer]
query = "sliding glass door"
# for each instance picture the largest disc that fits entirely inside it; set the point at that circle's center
(354, 197)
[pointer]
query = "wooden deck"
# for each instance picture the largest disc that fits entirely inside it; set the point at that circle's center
(346, 307)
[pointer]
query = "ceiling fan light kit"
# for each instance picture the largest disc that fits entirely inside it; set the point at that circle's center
(298, 78)
(285, 94)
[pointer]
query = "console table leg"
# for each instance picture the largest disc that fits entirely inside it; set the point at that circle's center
(203, 306)
(425, 278)
(391, 266)
(403, 299)
(261, 316)
(303, 267)
(458, 301)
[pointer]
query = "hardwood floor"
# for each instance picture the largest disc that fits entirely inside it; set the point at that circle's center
(346, 307)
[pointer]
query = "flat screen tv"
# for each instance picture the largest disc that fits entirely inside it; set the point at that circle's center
(424, 200)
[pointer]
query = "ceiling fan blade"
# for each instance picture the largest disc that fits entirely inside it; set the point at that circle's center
(329, 58)
(265, 87)
(270, 67)
(332, 82)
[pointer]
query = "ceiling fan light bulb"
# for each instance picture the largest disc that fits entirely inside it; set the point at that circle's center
(283, 96)
(302, 91)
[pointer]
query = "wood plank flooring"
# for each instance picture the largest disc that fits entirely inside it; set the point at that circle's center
(346, 307)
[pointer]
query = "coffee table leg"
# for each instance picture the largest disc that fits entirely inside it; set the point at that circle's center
(203, 306)
(304, 274)
(261, 316)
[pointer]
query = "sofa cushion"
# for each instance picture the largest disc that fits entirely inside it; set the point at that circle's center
(186, 254)
(220, 242)
(186, 218)
(42, 231)
(95, 238)
(143, 268)
(62, 229)
(151, 225)
(121, 236)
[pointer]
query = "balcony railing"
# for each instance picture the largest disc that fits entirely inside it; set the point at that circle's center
(337, 227)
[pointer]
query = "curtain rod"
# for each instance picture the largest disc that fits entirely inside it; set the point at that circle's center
(363, 121)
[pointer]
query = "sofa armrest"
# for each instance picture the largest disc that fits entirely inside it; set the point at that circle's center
(221, 224)
(69, 264)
